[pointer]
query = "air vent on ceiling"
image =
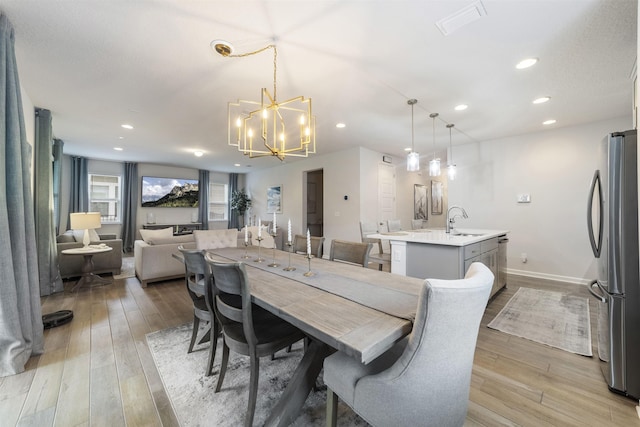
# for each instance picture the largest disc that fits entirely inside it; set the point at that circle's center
(459, 19)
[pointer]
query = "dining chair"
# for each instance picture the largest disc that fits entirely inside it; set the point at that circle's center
(416, 224)
(246, 328)
(197, 277)
(350, 252)
(300, 245)
(394, 225)
(425, 378)
(381, 258)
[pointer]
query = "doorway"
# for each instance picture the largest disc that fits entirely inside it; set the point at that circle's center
(314, 201)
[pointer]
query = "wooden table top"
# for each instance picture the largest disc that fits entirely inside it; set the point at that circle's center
(344, 324)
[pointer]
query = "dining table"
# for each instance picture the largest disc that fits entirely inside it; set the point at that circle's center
(341, 307)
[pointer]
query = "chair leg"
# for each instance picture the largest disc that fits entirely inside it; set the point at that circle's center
(253, 390)
(379, 267)
(213, 344)
(223, 366)
(194, 332)
(332, 408)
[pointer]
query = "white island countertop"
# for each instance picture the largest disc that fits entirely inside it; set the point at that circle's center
(459, 237)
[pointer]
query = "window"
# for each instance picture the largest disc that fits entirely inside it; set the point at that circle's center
(105, 197)
(218, 202)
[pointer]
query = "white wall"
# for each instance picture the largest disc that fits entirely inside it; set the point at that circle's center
(555, 167)
(404, 195)
(341, 178)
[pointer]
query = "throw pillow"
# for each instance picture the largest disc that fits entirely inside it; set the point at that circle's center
(163, 233)
(93, 235)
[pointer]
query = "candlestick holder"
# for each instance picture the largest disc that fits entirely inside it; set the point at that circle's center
(246, 255)
(259, 259)
(274, 263)
(309, 273)
(288, 267)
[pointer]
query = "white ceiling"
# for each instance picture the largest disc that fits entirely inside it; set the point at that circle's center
(98, 64)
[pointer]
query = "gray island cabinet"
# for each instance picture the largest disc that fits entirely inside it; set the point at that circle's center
(432, 253)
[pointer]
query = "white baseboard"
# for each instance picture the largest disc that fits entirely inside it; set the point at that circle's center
(538, 275)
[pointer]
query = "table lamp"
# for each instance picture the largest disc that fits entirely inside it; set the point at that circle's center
(85, 221)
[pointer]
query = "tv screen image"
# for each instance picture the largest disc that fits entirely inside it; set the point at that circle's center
(169, 192)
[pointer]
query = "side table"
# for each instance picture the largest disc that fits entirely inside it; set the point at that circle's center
(88, 277)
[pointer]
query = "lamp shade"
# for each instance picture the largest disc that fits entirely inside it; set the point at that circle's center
(85, 220)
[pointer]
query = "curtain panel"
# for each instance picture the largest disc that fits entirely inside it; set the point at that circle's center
(79, 191)
(129, 205)
(58, 151)
(21, 331)
(203, 198)
(50, 281)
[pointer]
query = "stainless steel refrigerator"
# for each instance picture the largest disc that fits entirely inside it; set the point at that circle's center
(612, 218)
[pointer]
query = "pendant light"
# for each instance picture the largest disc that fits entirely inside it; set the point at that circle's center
(434, 164)
(413, 158)
(451, 167)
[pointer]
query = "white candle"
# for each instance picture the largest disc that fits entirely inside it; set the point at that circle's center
(259, 227)
(274, 223)
(289, 231)
(308, 243)
(246, 234)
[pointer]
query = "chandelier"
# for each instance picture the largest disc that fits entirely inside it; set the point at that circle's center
(413, 158)
(268, 127)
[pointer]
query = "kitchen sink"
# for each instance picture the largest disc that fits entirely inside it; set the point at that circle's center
(467, 235)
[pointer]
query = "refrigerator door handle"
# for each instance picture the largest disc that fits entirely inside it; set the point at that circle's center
(595, 246)
(599, 295)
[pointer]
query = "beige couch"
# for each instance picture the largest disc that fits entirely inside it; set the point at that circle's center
(106, 262)
(154, 259)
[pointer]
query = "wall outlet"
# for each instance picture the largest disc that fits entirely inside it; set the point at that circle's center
(523, 257)
(523, 198)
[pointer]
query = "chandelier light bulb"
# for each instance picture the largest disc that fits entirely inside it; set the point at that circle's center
(451, 172)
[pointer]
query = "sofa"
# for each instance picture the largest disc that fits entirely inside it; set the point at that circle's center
(153, 255)
(106, 262)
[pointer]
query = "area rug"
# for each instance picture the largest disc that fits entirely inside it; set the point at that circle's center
(128, 268)
(552, 318)
(191, 392)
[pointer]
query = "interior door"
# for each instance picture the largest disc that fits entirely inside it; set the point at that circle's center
(386, 192)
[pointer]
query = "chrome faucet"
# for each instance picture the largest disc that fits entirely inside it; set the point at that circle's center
(452, 219)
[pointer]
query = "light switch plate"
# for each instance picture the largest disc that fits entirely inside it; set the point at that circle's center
(524, 198)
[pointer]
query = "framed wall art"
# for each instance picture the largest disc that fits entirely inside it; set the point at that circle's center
(436, 198)
(274, 199)
(420, 202)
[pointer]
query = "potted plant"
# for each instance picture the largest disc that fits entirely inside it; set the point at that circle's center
(240, 202)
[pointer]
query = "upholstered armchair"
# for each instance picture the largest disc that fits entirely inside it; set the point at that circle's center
(424, 380)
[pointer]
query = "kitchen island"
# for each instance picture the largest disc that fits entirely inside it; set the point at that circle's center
(433, 253)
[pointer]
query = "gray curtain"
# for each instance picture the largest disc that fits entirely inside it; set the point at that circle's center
(129, 205)
(20, 312)
(58, 148)
(203, 198)
(50, 281)
(79, 191)
(233, 215)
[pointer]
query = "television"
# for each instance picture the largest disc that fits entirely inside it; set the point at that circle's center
(169, 192)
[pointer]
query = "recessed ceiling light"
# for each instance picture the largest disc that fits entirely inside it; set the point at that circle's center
(237, 165)
(341, 125)
(526, 63)
(461, 107)
(126, 126)
(407, 149)
(541, 100)
(198, 153)
(121, 137)
(118, 148)
(549, 122)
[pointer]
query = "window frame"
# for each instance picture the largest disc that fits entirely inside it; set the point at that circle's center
(224, 203)
(117, 200)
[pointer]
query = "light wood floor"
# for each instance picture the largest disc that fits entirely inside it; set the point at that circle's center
(97, 370)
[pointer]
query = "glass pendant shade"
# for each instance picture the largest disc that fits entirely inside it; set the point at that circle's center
(413, 162)
(451, 172)
(434, 167)
(413, 158)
